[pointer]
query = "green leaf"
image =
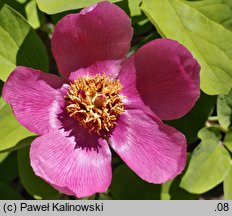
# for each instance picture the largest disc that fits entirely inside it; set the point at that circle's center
(17, 5)
(210, 133)
(3, 156)
(20, 144)
(19, 44)
(141, 24)
(210, 42)
(7, 193)
(127, 185)
(219, 11)
(8, 168)
(227, 186)
(224, 109)
(34, 185)
(193, 121)
(165, 190)
(178, 193)
(171, 190)
(11, 132)
(28, 9)
(21, 1)
(57, 6)
(32, 14)
(134, 7)
(209, 164)
(228, 139)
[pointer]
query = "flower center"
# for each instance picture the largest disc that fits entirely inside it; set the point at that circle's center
(95, 102)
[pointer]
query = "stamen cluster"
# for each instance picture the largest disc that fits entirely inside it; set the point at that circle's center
(95, 102)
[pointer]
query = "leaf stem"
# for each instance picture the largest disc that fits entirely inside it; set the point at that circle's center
(213, 118)
(213, 124)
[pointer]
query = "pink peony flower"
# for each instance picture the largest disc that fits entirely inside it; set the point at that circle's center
(104, 100)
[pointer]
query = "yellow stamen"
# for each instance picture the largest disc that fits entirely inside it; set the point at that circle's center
(95, 102)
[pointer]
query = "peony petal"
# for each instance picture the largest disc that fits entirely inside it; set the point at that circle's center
(77, 164)
(101, 32)
(166, 77)
(153, 150)
(35, 98)
(110, 68)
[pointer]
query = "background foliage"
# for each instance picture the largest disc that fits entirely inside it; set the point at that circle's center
(204, 27)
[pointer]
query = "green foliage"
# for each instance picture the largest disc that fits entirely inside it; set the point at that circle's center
(11, 131)
(193, 121)
(28, 9)
(8, 167)
(224, 109)
(127, 185)
(34, 185)
(32, 14)
(57, 6)
(7, 193)
(3, 156)
(209, 164)
(171, 190)
(17, 40)
(134, 6)
(175, 192)
(219, 11)
(9, 172)
(227, 185)
(210, 42)
(21, 1)
(228, 140)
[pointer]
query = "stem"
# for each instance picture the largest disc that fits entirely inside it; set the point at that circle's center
(213, 124)
(213, 118)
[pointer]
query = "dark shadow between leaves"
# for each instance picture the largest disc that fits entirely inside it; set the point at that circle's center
(1, 87)
(32, 53)
(15, 5)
